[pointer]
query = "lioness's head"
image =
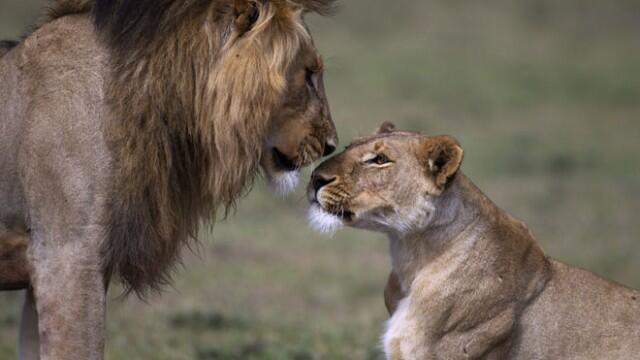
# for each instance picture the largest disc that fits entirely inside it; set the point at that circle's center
(389, 182)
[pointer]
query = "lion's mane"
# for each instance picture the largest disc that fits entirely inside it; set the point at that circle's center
(190, 100)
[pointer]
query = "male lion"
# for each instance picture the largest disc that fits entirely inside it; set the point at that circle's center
(471, 281)
(123, 125)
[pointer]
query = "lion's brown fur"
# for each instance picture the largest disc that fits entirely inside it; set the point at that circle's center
(128, 122)
(189, 118)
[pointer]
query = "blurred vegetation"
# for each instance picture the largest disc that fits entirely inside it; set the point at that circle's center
(544, 95)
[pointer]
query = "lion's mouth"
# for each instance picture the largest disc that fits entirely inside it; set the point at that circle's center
(282, 162)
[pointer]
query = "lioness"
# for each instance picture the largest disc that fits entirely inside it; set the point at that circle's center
(471, 281)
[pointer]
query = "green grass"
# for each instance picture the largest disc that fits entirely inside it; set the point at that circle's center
(543, 95)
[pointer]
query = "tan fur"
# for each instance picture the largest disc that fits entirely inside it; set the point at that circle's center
(468, 281)
(120, 137)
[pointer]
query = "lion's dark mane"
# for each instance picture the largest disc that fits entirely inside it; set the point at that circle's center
(128, 24)
(190, 98)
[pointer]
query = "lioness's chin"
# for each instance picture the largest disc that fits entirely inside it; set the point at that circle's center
(285, 182)
(323, 221)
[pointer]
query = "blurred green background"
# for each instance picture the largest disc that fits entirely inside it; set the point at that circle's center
(544, 96)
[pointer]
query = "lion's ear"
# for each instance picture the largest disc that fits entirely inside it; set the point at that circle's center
(246, 13)
(323, 7)
(443, 157)
(385, 128)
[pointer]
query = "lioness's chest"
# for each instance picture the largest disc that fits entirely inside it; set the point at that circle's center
(398, 336)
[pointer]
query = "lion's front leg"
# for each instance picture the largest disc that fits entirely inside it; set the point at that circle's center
(70, 297)
(14, 267)
(29, 342)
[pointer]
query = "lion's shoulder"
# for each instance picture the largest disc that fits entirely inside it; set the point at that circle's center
(68, 42)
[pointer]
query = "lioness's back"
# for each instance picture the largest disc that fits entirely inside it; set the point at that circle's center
(580, 315)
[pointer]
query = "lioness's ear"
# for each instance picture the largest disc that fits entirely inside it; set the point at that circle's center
(443, 156)
(246, 13)
(385, 128)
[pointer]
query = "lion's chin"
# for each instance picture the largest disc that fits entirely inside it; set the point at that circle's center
(285, 182)
(322, 221)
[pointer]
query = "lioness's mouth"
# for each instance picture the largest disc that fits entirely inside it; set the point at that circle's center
(282, 161)
(322, 220)
(344, 215)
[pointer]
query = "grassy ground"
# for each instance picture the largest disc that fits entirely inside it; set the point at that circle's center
(545, 98)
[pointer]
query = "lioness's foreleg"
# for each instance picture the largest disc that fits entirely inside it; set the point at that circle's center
(489, 339)
(29, 342)
(69, 293)
(392, 293)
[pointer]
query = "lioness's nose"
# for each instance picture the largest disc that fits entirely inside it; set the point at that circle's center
(318, 181)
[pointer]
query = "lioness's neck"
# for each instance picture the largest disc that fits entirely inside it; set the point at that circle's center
(464, 215)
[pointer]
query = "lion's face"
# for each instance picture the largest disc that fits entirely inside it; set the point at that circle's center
(302, 130)
(389, 182)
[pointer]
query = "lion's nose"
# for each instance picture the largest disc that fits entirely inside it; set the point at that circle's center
(329, 147)
(319, 181)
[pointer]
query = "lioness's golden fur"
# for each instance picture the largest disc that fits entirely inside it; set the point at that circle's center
(468, 281)
(127, 123)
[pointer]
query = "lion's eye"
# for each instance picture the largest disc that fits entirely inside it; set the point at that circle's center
(311, 79)
(379, 159)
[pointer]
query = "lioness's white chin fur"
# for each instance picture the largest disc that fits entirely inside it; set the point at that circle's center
(285, 182)
(322, 221)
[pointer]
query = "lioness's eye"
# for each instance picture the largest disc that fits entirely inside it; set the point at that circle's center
(379, 159)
